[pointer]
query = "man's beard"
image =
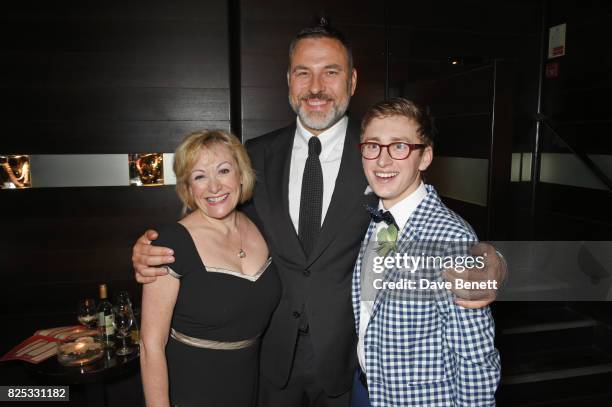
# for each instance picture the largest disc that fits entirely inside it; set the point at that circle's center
(320, 120)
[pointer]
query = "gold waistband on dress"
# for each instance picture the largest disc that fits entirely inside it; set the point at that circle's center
(208, 344)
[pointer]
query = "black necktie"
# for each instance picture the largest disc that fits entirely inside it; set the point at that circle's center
(311, 200)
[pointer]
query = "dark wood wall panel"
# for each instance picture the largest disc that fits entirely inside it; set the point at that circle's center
(90, 212)
(496, 17)
(104, 136)
(425, 37)
(579, 95)
(408, 41)
(358, 12)
(265, 103)
(268, 27)
(264, 73)
(118, 104)
(132, 78)
(464, 136)
(172, 68)
(586, 64)
(254, 128)
(590, 104)
(475, 215)
(267, 37)
(112, 34)
(465, 94)
(158, 10)
(415, 68)
(270, 72)
(81, 78)
(577, 104)
(119, 77)
(367, 94)
(442, 29)
(64, 242)
(67, 220)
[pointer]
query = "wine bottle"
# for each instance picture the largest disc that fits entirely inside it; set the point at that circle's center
(106, 318)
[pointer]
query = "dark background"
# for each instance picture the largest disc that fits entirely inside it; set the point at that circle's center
(125, 77)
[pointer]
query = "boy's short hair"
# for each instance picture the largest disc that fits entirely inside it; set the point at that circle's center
(403, 107)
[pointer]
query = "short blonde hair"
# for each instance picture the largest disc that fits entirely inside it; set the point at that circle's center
(187, 154)
(406, 108)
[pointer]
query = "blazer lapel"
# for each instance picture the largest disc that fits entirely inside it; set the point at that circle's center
(408, 237)
(277, 164)
(350, 183)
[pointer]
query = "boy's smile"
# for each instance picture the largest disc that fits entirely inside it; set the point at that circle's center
(393, 180)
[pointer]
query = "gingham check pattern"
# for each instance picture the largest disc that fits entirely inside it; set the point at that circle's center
(428, 352)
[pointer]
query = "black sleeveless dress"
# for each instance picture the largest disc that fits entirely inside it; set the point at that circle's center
(219, 305)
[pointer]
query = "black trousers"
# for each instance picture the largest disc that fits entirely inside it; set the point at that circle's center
(303, 388)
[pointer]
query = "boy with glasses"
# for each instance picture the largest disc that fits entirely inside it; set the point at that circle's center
(416, 346)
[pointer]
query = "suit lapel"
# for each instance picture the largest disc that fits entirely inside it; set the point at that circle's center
(277, 164)
(357, 288)
(350, 183)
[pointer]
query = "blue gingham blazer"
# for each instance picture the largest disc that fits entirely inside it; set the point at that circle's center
(427, 353)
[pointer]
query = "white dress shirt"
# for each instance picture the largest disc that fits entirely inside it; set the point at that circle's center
(332, 146)
(401, 212)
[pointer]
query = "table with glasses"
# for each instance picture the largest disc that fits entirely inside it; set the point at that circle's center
(93, 376)
(115, 363)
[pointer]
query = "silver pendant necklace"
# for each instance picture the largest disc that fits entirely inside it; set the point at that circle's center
(241, 253)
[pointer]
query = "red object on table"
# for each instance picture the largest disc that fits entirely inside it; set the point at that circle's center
(43, 344)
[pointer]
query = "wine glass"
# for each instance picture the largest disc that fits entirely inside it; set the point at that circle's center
(123, 323)
(124, 298)
(87, 312)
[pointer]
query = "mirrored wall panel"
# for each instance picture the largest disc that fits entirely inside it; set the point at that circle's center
(15, 171)
(85, 170)
(146, 169)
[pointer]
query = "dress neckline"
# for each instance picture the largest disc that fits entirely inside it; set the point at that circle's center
(222, 270)
(252, 278)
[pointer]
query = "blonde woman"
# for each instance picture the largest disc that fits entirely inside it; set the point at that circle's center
(202, 322)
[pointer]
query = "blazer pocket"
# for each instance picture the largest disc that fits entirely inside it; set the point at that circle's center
(418, 362)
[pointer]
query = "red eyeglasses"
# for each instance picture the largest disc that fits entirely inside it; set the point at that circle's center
(397, 150)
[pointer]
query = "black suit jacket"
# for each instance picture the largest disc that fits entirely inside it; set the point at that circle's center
(321, 281)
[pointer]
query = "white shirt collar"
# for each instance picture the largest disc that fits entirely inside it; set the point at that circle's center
(402, 210)
(329, 138)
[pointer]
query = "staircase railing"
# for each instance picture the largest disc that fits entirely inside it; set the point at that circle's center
(584, 158)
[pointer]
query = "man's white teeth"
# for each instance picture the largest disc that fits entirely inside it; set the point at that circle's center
(386, 174)
(217, 199)
(316, 102)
